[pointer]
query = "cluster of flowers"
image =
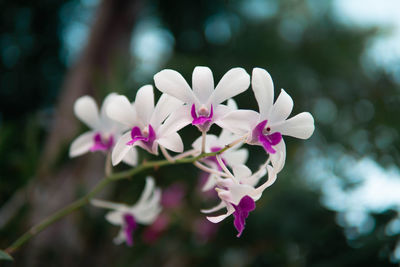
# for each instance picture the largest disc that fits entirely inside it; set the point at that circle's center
(121, 126)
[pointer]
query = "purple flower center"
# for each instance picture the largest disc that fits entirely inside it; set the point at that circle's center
(266, 138)
(102, 144)
(203, 121)
(242, 210)
(147, 137)
(214, 158)
(128, 227)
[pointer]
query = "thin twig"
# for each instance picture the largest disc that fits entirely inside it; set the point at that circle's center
(203, 141)
(223, 166)
(209, 170)
(188, 153)
(166, 154)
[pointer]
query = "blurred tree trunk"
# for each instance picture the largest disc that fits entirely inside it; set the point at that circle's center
(109, 40)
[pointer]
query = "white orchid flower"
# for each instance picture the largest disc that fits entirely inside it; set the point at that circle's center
(104, 131)
(231, 157)
(238, 194)
(144, 212)
(147, 123)
(267, 127)
(203, 103)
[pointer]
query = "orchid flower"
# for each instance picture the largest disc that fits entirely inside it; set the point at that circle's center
(231, 157)
(267, 127)
(104, 131)
(145, 212)
(238, 194)
(148, 124)
(202, 104)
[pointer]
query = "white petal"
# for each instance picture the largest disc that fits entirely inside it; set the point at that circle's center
(241, 171)
(115, 217)
(210, 183)
(81, 144)
(171, 142)
(281, 109)
(236, 193)
(171, 82)
(164, 107)
(232, 104)
(144, 104)
(239, 156)
(234, 82)
(131, 157)
(202, 83)
(121, 148)
(121, 110)
(214, 209)
(147, 191)
(278, 158)
(120, 238)
(300, 126)
(176, 121)
(271, 179)
(263, 89)
(217, 219)
(85, 108)
(239, 121)
(255, 178)
(220, 111)
(107, 100)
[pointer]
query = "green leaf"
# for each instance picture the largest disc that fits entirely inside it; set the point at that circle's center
(4, 256)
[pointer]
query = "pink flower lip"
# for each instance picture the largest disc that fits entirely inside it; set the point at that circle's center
(266, 139)
(201, 120)
(137, 135)
(242, 211)
(129, 227)
(102, 144)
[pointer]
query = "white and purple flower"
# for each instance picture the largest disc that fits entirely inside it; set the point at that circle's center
(267, 127)
(202, 104)
(144, 212)
(238, 194)
(104, 131)
(148, 123)
(231, 157)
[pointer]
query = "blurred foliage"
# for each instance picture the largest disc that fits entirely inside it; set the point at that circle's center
(316, 59)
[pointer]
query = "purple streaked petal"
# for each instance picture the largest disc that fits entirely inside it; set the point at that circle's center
(129, 226)
(101, 144)
(258, 130)
(242, 210)
(152, 134)
(97, 138)
(200, 120)
(203, 122)
(135, 132)
(266, 144)
(275, 138)
(139, 138)
(193, 112)
(211, 112)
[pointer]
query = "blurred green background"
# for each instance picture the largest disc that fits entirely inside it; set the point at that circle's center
(337, 201)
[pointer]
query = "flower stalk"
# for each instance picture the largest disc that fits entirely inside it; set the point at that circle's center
(112, 177)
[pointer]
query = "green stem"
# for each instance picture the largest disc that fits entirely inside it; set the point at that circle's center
(99, 186)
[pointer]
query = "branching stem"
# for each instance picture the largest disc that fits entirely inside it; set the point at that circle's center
(111, 177)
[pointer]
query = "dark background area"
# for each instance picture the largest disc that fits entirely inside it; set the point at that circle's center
(52, 52)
